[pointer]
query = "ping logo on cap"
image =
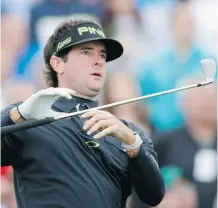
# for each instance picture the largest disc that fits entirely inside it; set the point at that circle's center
(63, 43)
(90, 30)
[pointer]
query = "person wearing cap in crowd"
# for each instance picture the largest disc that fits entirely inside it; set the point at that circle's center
(92, 160)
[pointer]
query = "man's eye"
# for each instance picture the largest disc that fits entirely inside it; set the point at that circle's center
(103, 56)
(86, 52)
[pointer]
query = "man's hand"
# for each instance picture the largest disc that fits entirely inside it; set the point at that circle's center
(38, 106)
(108, 124)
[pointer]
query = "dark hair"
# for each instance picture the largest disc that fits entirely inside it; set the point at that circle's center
(50, 47)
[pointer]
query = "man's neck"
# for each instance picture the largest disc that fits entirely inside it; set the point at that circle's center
(85, 97)
(79, 95)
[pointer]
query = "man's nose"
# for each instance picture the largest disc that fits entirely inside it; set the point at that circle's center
(99, 61)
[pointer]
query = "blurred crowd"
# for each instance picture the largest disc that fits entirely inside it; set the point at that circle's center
(164, 42)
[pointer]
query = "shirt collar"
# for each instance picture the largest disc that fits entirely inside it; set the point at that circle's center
(65, 105)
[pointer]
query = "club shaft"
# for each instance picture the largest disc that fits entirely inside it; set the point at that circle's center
(134, 99)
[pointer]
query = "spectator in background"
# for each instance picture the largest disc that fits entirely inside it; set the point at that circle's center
(19, 8)
(155, 18)
(191, 149)
(206, 23)
(125, 26)
(13, 40)
(16, 16)
(164, 70)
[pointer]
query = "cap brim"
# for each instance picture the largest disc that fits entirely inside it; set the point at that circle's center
(114, 49)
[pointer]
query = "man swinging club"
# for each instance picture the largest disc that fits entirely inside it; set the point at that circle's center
(92, 160)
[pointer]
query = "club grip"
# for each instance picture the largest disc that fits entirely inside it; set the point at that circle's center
(25, 125)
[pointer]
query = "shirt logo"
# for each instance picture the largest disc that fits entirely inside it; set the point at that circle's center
(90, 30)
(92, 144)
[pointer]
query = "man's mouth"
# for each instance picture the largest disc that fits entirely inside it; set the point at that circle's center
(97, 74)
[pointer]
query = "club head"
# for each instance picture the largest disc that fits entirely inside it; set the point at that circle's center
(209, 69)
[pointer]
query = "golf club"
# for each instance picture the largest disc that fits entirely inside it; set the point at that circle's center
(209, 70)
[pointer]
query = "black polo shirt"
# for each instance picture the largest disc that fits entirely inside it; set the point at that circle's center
(59, 166)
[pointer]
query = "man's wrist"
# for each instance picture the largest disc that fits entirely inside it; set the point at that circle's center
(133, 147)
(129, 138)
(134, 144)
(15, 116)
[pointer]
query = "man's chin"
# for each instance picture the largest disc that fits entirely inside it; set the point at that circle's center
(93, 91)
(96, 87)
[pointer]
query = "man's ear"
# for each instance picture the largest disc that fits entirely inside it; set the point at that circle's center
(57, 64)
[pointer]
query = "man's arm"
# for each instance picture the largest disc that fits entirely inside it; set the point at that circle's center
(37, 106)
(9, 116)
(145, 174)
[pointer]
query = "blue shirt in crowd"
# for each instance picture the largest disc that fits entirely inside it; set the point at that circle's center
(164, 72)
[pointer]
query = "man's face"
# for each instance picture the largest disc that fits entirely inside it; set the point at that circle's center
(85, 68)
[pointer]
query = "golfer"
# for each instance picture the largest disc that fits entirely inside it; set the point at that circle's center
(93, 160)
